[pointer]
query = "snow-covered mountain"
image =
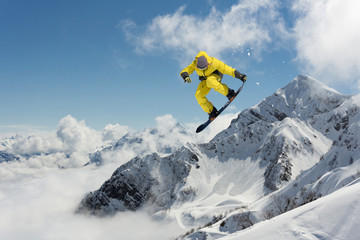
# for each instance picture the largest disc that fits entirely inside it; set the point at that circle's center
(329, 146)
(295, 146)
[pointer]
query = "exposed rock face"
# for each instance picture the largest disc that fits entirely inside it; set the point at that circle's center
(152, 180)
(7, 157)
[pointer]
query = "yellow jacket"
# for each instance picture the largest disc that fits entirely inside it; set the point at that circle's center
(214, 65)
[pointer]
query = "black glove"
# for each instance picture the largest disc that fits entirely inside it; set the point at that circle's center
(240, 76)
(186, 77)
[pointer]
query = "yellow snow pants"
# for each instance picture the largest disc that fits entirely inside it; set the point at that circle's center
(211, 82)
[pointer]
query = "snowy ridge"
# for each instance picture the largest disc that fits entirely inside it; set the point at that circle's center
(296, 146)
(303, 98)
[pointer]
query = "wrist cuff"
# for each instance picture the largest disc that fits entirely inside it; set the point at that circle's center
(184, 75)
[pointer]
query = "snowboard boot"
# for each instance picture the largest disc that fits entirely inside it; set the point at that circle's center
(213, 113)
(231, 94)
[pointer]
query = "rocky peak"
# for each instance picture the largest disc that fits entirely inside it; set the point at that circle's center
(152, 180)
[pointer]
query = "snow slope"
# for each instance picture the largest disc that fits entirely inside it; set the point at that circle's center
(336, 216)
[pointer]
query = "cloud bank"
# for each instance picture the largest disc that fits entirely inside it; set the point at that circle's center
(68, 147)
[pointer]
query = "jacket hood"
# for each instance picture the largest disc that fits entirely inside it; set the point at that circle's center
(202, 53)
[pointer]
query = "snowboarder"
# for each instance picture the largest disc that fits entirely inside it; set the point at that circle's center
(210, 71)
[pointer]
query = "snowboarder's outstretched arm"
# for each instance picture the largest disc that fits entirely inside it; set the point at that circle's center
(185, 73)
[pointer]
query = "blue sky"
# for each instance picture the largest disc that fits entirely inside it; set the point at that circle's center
(119, 61)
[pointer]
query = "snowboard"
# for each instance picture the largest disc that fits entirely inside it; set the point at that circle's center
(207, 123)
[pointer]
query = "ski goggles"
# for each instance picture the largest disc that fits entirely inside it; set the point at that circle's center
(203, 68)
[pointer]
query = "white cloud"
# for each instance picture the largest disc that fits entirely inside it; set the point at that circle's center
(328, 34)
(248, 23)
(76, 136)
(113, 132)
(35, 144)
(166, 122)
